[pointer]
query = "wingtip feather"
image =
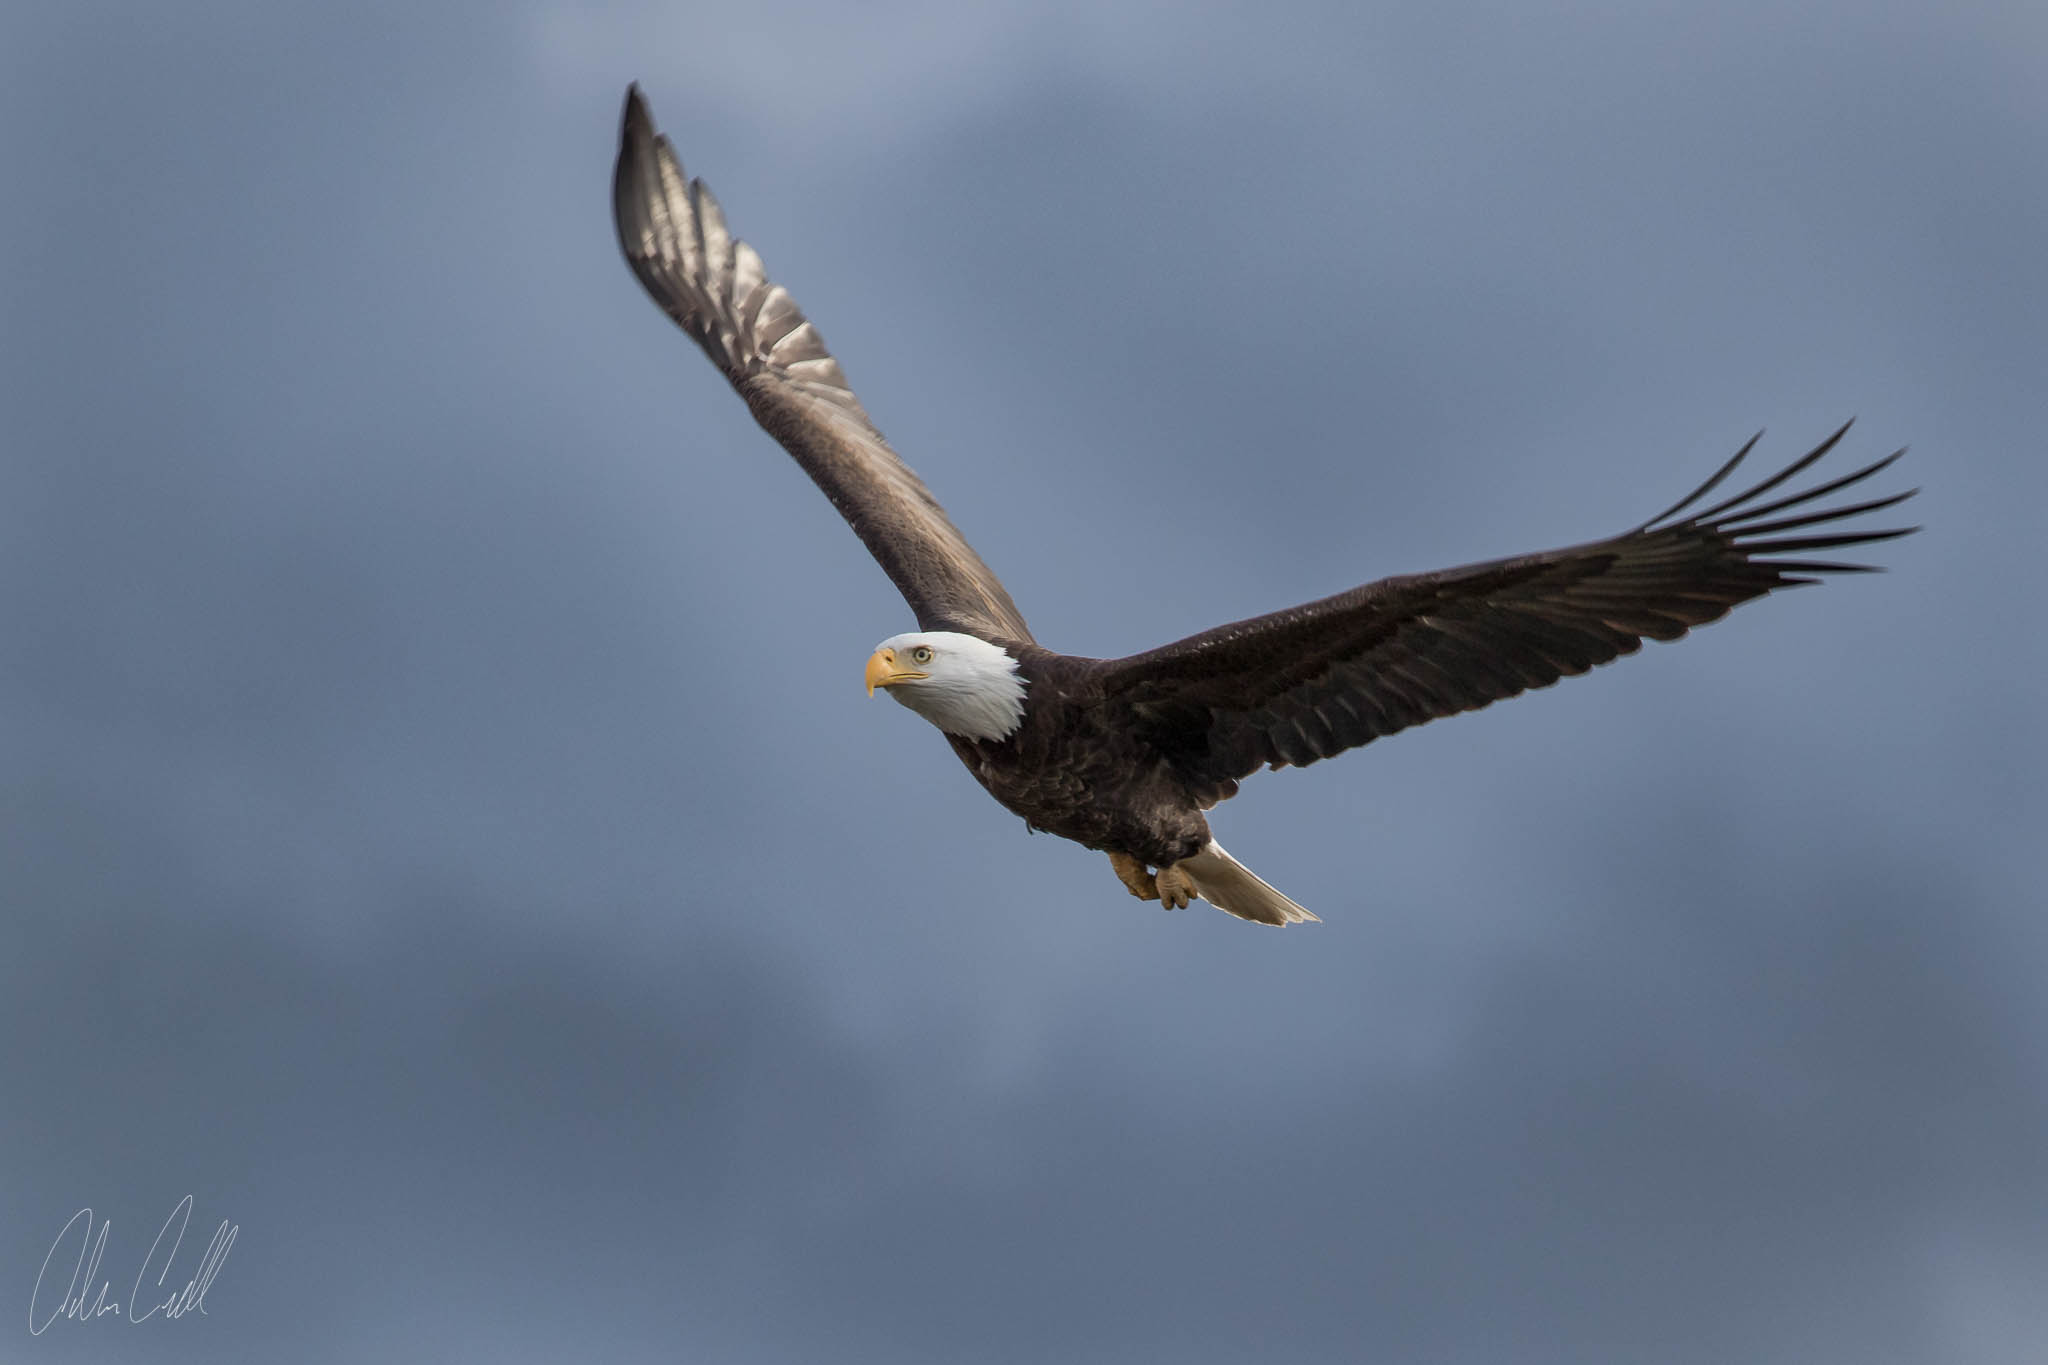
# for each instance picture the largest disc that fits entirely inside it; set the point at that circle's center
(635, 122)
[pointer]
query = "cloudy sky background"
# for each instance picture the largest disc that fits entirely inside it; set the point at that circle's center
(441, 829)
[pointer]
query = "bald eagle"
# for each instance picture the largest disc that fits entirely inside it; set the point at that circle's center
(1124, 755)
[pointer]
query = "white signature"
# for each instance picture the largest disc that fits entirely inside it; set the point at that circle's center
(86, 1270)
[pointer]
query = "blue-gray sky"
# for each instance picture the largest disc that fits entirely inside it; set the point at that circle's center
(441, 829)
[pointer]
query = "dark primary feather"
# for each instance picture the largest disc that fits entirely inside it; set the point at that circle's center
(1315, 680)
(715, 288)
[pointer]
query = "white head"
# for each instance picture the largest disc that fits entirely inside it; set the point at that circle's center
(965, 686)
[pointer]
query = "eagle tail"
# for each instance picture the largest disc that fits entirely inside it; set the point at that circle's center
(1229, 885)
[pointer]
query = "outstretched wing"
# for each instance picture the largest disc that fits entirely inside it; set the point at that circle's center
(714, 286)
(1318, 679)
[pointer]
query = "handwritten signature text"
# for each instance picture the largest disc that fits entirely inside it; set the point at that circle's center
(79, 1301)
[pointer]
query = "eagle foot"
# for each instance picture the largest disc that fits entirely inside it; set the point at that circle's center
(1176, 888)
(1131, 872)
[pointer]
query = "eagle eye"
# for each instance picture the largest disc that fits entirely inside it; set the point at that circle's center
(922, 654)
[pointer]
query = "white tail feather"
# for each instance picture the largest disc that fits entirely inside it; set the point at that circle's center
(1229, 885)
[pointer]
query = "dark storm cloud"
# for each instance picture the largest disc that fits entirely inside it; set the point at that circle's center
(443, 832)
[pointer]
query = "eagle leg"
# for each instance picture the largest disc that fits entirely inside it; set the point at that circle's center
(1131, 872)
(1176, 888)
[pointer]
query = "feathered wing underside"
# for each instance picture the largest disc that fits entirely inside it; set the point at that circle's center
(1312, 681)
(713, 285)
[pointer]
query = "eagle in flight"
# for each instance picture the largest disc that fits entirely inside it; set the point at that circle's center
(1125, 755)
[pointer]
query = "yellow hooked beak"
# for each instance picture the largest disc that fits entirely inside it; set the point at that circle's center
(884, 671)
